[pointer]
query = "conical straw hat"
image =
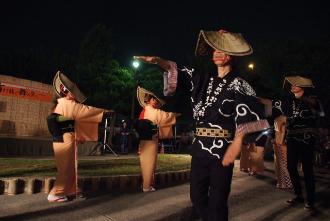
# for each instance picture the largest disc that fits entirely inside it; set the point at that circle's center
(230, 43)
(60, 81)
(298, 81)
(141, 93)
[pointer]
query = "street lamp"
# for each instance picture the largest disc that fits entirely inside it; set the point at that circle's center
(251, 66)
(136, 64)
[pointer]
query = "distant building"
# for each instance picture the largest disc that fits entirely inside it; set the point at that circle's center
(24, 106)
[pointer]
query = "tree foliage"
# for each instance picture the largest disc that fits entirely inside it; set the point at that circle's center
(106, 83)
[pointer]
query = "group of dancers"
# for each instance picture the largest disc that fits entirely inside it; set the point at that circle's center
(226, 111)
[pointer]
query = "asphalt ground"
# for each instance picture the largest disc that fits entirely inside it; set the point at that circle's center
(252, 198)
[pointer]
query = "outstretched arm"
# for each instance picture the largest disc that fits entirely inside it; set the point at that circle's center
(164, 64)
(170, 74)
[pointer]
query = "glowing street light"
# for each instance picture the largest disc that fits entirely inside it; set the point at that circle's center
(251, 66)
(136, 64)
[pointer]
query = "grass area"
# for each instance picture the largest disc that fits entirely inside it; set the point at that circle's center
(22, 167)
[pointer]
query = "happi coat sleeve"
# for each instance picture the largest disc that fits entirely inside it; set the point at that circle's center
(159, 117)
(86, 118)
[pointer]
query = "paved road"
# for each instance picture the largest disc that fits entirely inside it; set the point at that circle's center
(252, 199)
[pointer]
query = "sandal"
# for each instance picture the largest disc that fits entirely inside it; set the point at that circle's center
(150, 189)
(53, 198)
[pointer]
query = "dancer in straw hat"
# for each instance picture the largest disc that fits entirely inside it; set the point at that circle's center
(151, 117)
(225, 108)
(70, 123)
(303, 112)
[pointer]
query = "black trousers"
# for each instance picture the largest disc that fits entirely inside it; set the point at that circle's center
(210, 187)
(300, 151)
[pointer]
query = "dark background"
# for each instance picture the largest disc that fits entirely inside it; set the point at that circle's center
(165, 28)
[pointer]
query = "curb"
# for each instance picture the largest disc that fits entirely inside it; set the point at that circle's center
(125, 183)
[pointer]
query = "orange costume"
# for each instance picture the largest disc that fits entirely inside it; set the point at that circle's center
(148, 147)
(86, 129)
(86, 119)
(252, 159)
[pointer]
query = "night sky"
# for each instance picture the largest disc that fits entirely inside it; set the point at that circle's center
(165, 28)
(168, 29)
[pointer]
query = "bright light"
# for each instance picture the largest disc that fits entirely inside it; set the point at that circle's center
(251, 66)
(136, 64)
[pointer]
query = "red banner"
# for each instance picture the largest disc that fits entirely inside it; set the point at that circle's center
(9, 89)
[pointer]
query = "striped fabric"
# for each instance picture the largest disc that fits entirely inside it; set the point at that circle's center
(170, 79)
(280, 160)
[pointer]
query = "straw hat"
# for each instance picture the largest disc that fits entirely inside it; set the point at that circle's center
(230, 43)
(141, 94)
(298, 81)
(62, 83)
